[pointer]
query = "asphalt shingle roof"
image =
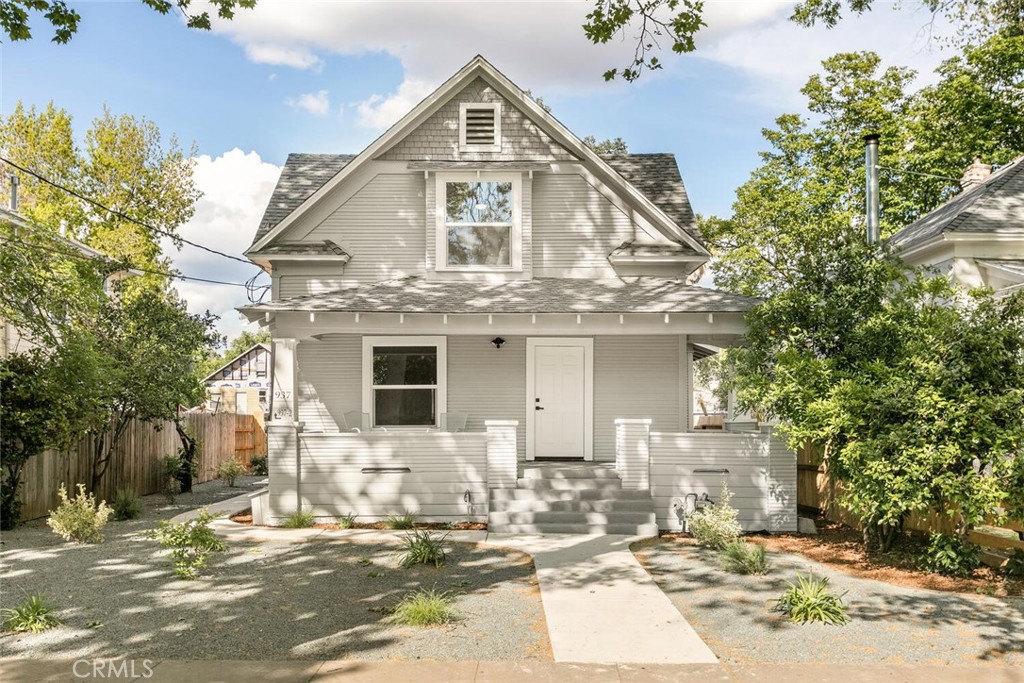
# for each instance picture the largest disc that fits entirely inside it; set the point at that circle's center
(540, 295)
(327, 247)
(655, 175)
(994, 205)
(633, 248)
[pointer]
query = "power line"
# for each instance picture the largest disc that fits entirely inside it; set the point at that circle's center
(102, 207)
(904, 170)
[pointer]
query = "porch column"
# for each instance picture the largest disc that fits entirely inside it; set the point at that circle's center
(633, 452)
(502, 458)
(283, 431)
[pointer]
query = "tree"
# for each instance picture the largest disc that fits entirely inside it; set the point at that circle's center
(124, 167)
(606, 146)
(14, 15)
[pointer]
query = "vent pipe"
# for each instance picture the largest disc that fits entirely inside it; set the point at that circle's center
(14, 193)
(871, 193)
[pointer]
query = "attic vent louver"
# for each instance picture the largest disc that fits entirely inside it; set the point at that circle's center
(480, 127)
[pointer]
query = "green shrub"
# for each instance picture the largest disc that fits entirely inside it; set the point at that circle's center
(809, 599)
(401, 522)
(950, 556)
(126, 505)
(715, 526)
(1015, 565)
(31, 616)
(347, 521)
(424, 547)
(424, 608)
(740, 557)
(170, 469)
(258, 465)
(300, 519)
(230, 470)
(79, 519)
(191, 543)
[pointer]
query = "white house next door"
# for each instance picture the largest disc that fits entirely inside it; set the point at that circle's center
(559, 398)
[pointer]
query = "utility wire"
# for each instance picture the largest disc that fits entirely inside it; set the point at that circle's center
(102, 207)
(927, 175)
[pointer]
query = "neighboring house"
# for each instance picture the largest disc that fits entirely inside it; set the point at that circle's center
(478, 294)
(977, 237)
(12, 339)
(242, 385)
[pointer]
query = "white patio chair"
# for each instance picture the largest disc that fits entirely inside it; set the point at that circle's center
(453, 422)
(358, 421)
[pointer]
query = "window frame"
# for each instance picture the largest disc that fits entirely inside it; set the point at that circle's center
(467, 147)
(441, 220)
(439, 342)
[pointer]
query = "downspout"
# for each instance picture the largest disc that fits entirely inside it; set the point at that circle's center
(871, 186)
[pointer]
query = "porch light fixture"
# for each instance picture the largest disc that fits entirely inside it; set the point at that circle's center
(498, 342)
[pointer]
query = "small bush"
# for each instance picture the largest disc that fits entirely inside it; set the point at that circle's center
(740, 557)
(31, 616)
(715, 526)
(126, 505)
(1015, 565)
(79, 519)
(401, 522)
(424, 547)
(258, 465)
(950, 556)
(229, 470)
(170, 469)
(191, 543)
(300, 519)
(347, 521)
(424, 608)
(809, 599)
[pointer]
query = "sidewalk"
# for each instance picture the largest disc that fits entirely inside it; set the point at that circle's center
(355, 671)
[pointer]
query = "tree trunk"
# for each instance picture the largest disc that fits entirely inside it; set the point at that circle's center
(188, 455)
(104, 452)
(10, 506)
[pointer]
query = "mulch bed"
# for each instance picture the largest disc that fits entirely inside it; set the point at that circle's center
(245, 517)
(842, 548)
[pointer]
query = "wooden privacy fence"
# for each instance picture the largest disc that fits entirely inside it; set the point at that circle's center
(817, 492)
(135, 463)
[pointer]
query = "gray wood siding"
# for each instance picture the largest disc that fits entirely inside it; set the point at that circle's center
(438, 136)
(442, 468)
(329, 380)
(301, 279)
(381, 227)
(761, 475)
(634, 377)
(575, 226)
(488, 383)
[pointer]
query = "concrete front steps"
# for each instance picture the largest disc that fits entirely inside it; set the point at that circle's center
(571, 499)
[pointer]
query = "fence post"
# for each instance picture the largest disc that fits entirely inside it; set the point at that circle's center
(502, 460)
(633, 452)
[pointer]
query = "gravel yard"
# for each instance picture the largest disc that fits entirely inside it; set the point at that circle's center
(261, 601)
(890, 623)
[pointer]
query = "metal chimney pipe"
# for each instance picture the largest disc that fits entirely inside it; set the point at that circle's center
(14, 193)
(871, 180)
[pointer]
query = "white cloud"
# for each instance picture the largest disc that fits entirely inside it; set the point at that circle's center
(268, 53)
(379, 111)
(236, 189)
(316, 103)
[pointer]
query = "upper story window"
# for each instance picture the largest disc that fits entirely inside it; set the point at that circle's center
(479, 222)
(480, 127)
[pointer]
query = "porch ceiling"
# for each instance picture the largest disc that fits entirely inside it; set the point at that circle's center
(539, 295)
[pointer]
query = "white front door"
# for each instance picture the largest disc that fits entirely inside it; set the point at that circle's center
(559, 403)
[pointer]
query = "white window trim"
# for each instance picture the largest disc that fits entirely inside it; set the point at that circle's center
(441, 226)
(465, 146)
(441, 343)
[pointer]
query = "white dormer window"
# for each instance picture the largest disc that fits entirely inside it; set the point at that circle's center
(480, 127)
(479, 221)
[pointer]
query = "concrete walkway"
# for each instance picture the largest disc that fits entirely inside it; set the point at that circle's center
(356, 671)
(601, 606)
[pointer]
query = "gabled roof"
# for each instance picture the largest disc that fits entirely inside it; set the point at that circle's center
(259, 345)
(478, 67)
(996, 205)
(657, 176)
(540, 295)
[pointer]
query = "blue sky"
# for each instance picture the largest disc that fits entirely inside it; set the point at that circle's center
(329, 77)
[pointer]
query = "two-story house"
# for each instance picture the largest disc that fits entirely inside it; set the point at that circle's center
(479, 317)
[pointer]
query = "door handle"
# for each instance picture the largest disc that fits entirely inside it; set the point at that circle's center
(538, 407)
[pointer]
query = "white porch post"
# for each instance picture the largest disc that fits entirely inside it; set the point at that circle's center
(633, 452)
(502, 460)
(283, 431)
